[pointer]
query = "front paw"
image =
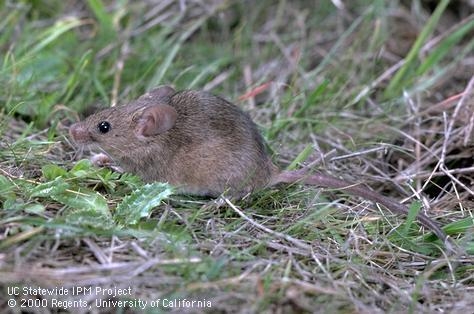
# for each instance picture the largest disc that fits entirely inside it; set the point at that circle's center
(102, 160)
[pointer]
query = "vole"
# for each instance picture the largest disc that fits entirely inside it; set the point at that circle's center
(202, 144)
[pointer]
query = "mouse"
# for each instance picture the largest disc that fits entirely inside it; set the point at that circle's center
(203, 145)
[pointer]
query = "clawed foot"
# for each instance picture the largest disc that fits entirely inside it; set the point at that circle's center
(102, 160)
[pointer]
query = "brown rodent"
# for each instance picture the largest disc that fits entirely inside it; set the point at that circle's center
(202, 144)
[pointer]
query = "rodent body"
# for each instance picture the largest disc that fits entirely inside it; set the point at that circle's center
(203, 145)
(211, 147)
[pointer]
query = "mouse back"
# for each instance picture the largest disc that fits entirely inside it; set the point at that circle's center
(217, 145)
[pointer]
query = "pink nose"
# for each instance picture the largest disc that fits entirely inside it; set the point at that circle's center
(79, 133)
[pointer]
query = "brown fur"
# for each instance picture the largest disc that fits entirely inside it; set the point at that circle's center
(206, 152)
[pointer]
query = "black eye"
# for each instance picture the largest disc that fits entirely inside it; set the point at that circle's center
(103, 127)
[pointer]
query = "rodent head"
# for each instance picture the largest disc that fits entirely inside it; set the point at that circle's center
(118, 129)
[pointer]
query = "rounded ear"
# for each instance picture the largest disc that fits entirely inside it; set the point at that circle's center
(160, 92)
(155, 120)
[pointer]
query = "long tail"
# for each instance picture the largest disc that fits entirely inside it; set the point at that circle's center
(357, 190)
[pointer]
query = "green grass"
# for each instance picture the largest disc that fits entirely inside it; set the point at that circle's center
(333, 94)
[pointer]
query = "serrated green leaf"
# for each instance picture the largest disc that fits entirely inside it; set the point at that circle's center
(81, 169)
(83, 164)
(35, 208)
(140, 202)
(84, 200)
(50, 188)
(133, 181)
(90, 218)
(12, 204)
(52, 171)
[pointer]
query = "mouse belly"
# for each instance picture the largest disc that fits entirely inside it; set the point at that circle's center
(204, 180)
(206, 169)
(216, 183)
